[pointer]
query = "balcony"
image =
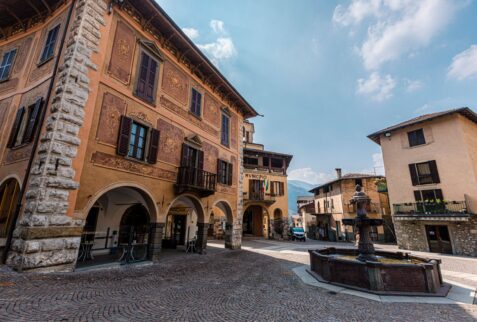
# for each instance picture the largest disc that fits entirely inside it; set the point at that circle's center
(196, 181)
(445, 210)
(258, 197)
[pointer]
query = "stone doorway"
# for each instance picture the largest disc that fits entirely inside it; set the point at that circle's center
(438, 238)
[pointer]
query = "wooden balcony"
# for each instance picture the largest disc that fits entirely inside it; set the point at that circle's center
(196, 181)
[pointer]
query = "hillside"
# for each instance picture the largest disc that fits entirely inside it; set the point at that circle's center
(297, 188)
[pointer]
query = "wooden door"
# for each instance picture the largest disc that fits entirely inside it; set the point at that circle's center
(439, 239)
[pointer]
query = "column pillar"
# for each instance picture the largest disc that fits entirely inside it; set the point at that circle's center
(155, 244)
(201, 244)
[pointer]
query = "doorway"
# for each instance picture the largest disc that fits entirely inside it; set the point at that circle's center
(179, 224)
(439, 239)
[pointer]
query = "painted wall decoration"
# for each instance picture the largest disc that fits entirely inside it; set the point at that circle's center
(211, 110)
(175, 83)
(122, 53)
(211, 154)
(170, 143)
(185, 114)
(18, 155)
(122, 164)
(111, 110)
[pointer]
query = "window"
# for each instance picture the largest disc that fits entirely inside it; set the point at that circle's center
(277, 163)
(277, 188)
(225, 136)
(424, 173)
(428, 195)
(147, 78)
(358, 182)
(49, 49)
(138, 141)
(224, 172)
(7, 63)
(416, 137)
(25, 125)
(250, 161)
(196, 102)
(192, 158)
(266, 161)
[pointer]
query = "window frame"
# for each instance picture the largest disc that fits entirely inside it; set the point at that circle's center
(42, 60)
(222, 131)
(192, 102)
(224, 172)
(158, 61)
(418, 179)
(20, 138)
(146, 139)
(6, 77)
(418, 139)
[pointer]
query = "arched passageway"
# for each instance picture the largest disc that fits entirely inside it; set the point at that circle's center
(255, 222)
(221, 225)
(278, 223)
(9, 193)
(117, 228)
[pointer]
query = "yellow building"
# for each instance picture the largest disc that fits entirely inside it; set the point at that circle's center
(265, 191)
(431, 171)
(332, 205)
(118, 136)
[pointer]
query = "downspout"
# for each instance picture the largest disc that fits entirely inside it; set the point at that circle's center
(18, 206)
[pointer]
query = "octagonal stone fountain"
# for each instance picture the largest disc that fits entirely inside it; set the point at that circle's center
(379, 272)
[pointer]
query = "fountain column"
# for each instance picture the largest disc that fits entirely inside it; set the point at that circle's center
(363, 222)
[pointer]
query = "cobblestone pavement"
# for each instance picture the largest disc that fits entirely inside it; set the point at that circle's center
(220, 286)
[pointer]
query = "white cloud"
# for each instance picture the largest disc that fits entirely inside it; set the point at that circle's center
(377, 87)
(309, 175)
(191, 33)
(221, 49)
(464, 65)
(397, 27)
(413, 85)
(217, 26)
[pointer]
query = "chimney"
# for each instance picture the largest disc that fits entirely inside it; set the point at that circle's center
(338, 173)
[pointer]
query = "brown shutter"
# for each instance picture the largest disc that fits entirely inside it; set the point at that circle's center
(201, 159)
(153, 146)
(282, 189)
(434, 172)
(32, 122)
(219, 171)
(184, 160)
(413, 171)
(417, 196)
(16, 127)
(151, 79)
(230, 174)
(272, 188)
(142, 78)
(124, 133)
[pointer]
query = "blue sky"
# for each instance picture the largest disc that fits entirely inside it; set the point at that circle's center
(325, 74)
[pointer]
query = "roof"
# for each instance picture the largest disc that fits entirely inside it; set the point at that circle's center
(154, 18)
(464, 111)
(306, 198)
(287, 157)
(348, 176)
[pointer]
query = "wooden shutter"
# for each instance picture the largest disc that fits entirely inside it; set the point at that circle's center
(32, 122)
(124, 133)
(153, 147)
(417, 195)
(219, 171)
(413, 171)
(272, 188)
(282, 189)
(200, 155)
(142, 78)
(185, 149)
(230, 173)
(434, 172)
(151, 79)
(16, 127)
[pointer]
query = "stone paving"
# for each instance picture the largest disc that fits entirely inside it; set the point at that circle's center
(223, 285)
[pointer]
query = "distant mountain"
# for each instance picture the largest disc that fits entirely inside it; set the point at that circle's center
(297, 188)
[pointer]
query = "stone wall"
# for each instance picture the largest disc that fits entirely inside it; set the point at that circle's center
(411, 235)
(46, 237)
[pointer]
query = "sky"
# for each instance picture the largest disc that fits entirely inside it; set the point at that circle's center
(325, 74)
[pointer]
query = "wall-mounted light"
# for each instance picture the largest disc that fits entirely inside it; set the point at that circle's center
(387, 134)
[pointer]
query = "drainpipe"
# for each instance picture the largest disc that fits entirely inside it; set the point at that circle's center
(18, 206)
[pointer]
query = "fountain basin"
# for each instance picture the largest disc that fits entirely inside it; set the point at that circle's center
(395, 273)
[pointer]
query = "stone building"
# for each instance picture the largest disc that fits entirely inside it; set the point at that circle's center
(265, 190)
(332, 204)
(119, 137)
(431, 171)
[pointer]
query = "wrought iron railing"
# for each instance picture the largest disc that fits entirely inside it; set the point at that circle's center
(196, 178)
(258, 196)
(431, 208)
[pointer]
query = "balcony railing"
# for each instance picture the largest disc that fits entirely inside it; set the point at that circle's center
(258, 196)
(196, 180)
(431, 208)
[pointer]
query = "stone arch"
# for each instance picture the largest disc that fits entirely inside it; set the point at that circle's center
(277, 225)
(12, 176)
(250, 221)
(231, 232)
(146, 194)
(190, 199)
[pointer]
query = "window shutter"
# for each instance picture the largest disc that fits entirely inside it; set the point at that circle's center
(417, 195)
(151, 79)
(16, 127)
(124, 133)
(201, 159)
(272, 188)
(142, 79)
(185, 148)
(153, 146)
(219, 171)
(413, 171)
(282, 189)
(434, 172)
(230, 174)
(32, 122)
